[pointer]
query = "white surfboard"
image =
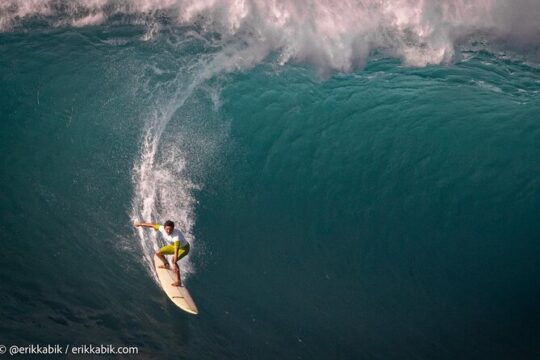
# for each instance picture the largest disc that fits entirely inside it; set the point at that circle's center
(178, 294)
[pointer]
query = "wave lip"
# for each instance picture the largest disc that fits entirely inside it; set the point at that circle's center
(337, 35)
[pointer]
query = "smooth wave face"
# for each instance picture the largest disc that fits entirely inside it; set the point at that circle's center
(358, 179)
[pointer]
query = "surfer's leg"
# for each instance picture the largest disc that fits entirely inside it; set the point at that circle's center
(178, 278)
(165, 250)
(183, 251)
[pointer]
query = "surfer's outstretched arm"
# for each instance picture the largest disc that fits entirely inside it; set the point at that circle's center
(148, 225)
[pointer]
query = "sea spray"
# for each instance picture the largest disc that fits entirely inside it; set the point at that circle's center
(332, 35)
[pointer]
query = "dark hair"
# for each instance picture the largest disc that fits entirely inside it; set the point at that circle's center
(169, 223)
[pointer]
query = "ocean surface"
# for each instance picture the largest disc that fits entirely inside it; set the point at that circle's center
(358, 179)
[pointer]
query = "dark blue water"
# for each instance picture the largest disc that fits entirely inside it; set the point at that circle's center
(388, 212)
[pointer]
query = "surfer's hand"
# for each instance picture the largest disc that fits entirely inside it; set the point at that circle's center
(136, 224)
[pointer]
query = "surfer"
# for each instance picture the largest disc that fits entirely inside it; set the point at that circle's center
(177, 246)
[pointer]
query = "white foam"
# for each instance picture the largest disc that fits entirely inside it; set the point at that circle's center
(337, 34)
(162, 186)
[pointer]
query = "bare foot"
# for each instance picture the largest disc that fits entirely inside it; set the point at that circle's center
(164, 266)
(177, 284)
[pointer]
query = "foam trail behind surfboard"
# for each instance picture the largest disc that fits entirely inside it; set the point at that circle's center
(162, 185)
(162, 188)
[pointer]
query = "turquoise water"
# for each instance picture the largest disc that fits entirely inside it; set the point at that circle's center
(390, 211)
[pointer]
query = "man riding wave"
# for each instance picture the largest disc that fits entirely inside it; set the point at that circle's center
(177, 246)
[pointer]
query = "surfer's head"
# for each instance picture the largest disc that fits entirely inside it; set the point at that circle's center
(168, 226)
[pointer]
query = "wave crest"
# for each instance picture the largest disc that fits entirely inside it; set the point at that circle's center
(329, 34)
